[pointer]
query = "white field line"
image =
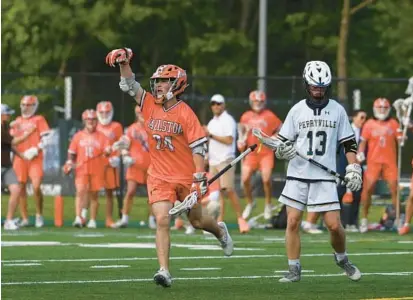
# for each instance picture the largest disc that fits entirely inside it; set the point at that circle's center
(200, 257)
(302, 271)
(199, 269)
(109, 266)
(22, 265)
(194, 278)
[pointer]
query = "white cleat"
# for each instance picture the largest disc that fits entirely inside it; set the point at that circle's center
(267, 211)
(152, 222)
(119, 224)
(351, 228)
(39, 222)
(189, 229)
(77, 222)
(310, 228)
(163, 278)
(10, 225)
(248, 209)
(91, 224)
(24, 223)
(364, 225)
(351, 270)
(226, 240)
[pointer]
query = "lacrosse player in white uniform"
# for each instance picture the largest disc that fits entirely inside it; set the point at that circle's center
(314, 127)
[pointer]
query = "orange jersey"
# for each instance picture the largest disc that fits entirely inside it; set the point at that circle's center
(139, 148)
(265, 120)
(89, 149)
(381, 138)
(113, 131)
(20, 125)
(172, 134)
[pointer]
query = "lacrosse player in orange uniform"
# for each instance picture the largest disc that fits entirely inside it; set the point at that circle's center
(136, 159)
(263, 160)
(30, 165)
(86, 155)
(177, 145)
(113, 131)
(380, 135)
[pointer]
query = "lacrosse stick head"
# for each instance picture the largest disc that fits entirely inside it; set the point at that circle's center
(409, 89)
(242, 132)
(270, 142)
(184, 206)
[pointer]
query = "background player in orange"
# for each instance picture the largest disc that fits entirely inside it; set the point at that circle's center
(177, 149)
(113, 131)
(86, 155)
(262, 160)
(380, 135)
(409, 210)
(30, 165)
(136, 159)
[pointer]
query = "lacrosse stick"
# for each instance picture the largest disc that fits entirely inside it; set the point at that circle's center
(274, 143)
(403, 112)
(192, 198)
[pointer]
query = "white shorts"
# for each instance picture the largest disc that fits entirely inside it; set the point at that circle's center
(318, 196)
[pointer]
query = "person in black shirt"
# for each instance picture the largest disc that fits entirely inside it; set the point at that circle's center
(8, 176)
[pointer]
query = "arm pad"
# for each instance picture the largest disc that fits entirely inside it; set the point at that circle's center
(350, 146)
(200, 149)
(129, 85)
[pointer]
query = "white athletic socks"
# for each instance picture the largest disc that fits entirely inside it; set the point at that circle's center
(83, 214)
(341, 256)
(125, 218)
(294, 262)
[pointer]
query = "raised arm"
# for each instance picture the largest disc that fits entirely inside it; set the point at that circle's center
(127, 84)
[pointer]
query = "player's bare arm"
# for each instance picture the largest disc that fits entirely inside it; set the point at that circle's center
(127, 84)
(361, 150)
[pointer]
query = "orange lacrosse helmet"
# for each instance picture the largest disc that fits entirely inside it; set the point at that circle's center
(89, 114)
(104, 111)
(28, 105)
(257, 100)
(176, 77)
(381, 108)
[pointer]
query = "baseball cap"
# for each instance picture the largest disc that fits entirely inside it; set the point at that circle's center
(6, 110)
(217, 98)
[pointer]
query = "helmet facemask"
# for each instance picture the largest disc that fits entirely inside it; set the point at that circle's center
(105, 116)
(160, 91)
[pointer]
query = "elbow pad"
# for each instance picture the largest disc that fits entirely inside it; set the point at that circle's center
(350, 146)
(129, 85)
(200, 149)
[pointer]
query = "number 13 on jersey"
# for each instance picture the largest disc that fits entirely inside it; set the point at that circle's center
(319, 138)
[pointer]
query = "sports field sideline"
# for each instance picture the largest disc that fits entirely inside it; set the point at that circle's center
(105, 264)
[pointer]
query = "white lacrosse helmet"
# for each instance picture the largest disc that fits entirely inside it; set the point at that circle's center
(317, 73)
(28, 105)
(104, 111)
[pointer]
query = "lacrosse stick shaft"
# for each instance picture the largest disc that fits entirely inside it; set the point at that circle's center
(232, 163)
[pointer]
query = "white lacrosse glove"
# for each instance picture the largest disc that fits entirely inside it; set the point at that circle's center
(128, 161)
(353, 177)
(408, 101)
(200, 183)
(361, 157)
(68, 166)
(31, 153)
(285, 151)
(114, 161)
(122, 144)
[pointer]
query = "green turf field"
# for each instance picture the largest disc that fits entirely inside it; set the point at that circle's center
(68, 263)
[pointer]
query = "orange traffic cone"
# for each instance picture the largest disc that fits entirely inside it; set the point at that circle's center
(58, 211)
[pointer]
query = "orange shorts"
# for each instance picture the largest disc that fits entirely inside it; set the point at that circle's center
(136, 174)
(111, 179)
(259, 162)
(93, 182)
(387, 172)
(28, 169)
(161, 190)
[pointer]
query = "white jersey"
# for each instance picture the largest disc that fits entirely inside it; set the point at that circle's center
(316, 133)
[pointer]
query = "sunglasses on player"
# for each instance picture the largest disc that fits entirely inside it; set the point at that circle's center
(215, 103)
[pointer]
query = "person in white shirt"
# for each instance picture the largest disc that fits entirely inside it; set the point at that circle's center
(221, 131)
